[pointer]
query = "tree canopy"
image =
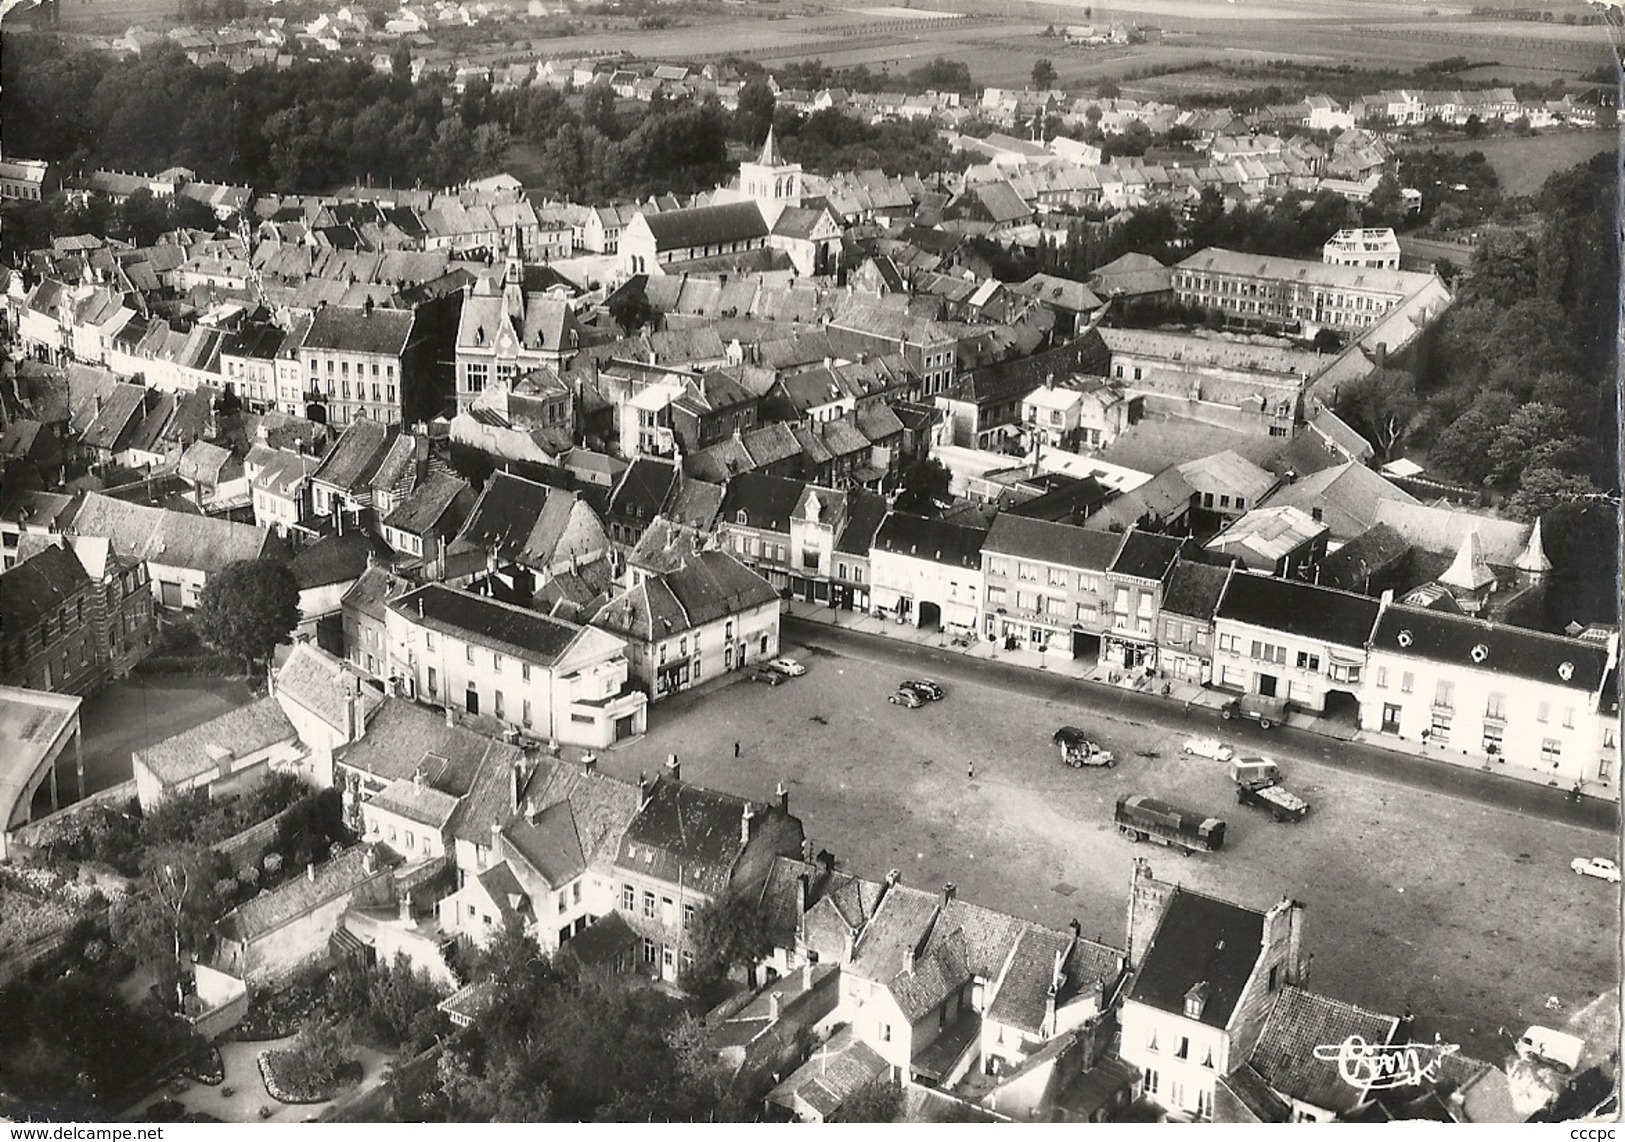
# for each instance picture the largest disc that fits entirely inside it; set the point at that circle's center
(250, 608)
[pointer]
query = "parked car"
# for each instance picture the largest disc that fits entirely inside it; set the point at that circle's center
(906, 696)
(1266, 711)
(1211, 748)
(1560, 1050)
(927, 689)
(789, 667)
(767, 675)
(1600, 867)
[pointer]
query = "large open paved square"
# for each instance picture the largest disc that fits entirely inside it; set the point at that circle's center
(1465, 912)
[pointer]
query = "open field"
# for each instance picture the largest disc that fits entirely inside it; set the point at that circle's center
(1522, 165)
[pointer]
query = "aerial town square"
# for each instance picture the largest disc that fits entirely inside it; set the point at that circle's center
(760, 561)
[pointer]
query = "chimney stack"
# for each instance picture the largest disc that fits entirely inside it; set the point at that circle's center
(773, 999)
(674, 768)
(369, 861)
(514, 781)
(948, 891)
(783, 795)
(744, 823)
(352, 715)
(646, 791)
(310, 873)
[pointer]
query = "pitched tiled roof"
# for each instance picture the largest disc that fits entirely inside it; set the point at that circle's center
(324, 685)
(1301, 1021)
(1474, 644)
(1300, 609)
(1193, 590)
(171, 538)
(522, 632)
(706, 225)
(900, 925)
(403, 737)
(548, 843)
(1442, 530)
(36, 587)
(836, 1071)
(430, 504)
(705, 588)
(235, 733)
(415, 801)
(301, 894)
(369, 593)
(1200, 940)
(1024, 990)
(1057, 543)
(643, 488)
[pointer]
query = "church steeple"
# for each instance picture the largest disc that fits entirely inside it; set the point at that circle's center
(770, 151)
(513, 280)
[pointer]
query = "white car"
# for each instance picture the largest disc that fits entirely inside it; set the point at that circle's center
(1600, 867)
(787, 666)
(1211, 748)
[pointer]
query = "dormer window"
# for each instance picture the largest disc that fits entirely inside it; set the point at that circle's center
(1196, 1000)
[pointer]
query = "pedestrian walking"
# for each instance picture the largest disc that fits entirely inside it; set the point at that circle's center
(970, 771)
(736, 750)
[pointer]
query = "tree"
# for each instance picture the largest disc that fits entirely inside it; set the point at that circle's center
(598, 111)
(730, 933)
(631, 309)
(1462, 447)
(1043, 75)
(400, 63)
(754, 114)
(1381, 406)
(1529, 431)
(1544, 489)
(1503, 269)
(319, 1058)
(878, 1100)
(1108, 89)
(923, 484)
(250, 608)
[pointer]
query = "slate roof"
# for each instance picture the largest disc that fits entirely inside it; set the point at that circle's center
(368, 594)
(354, 329)
(706, 588)
(1299, 1022)
(34, 588)
(933, 540)
(1249, 1089)
(1200, 940)
(1299, 609)
(1012, 380)
(235, 733)
(1352, 566)
(517, 630)
(865, 511)
(356, 455)
(518, 519)
(706, 225)
(766, 501)
(1047, 542)
(548, 843)
(1475, 644)
(1193, 590)
(300, 894)
(1145, 555)
(430, 505)
(685, 835)
(170, 538)
(643, 488)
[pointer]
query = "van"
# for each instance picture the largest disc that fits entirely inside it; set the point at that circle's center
(1554, 1047)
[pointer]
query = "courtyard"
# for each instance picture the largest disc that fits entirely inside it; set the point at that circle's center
(135, 712)
(1461, 909)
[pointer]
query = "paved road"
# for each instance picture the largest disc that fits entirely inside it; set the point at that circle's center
(1288, 743)
(1427, 887)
